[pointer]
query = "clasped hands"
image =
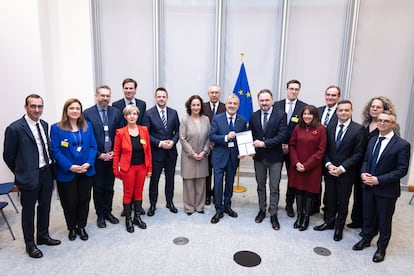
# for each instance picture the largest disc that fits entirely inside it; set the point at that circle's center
(108, 156)
(166, 144)
(334, 170)
(369, 179)
(199, 156)
(80, 168)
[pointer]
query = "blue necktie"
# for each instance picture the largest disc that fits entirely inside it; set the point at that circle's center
(326, 121)
(339, 136)
(231, 126)
(375, 154)
(164, 119)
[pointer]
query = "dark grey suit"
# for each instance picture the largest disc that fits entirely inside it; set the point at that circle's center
(142, 106)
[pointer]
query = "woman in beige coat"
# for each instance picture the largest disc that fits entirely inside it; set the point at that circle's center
(194, 132)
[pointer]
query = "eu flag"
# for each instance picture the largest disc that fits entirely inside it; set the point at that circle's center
(242, 90)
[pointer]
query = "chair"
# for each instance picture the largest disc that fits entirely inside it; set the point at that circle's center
(411, 189)
(5, 189)
(2, 205)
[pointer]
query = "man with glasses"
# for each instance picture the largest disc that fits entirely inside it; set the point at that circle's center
(386, 161)
(211, 108)
(293, 107)
(27, 154)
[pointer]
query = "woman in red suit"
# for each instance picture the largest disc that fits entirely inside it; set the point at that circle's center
(132, 163)
(306, 150)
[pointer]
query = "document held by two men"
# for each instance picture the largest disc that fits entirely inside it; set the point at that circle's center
(245, 143)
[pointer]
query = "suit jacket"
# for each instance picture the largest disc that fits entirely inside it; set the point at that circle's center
(221, 152)
(123, 150)
(219, 109)
(158, 133)
(194, 140)
(65, 148)
(295, 115)
(114, 122)
(350, 152)
(334, 117)
(273, 137)
(142, 106)
(392, 165)
(21, 153)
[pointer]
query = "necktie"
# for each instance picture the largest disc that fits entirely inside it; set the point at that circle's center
(164, 119)
(339, 136)
(213, 110)
(107, 141)
(44, 151)
(265, 120)
(326, 121)
(375, 155)
(290, 112)
(231, 126)
(131, 103)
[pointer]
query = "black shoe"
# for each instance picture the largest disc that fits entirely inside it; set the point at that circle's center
(323, 227)
(361, 245)
(305, 224)
(353, 225)
(230, 212)
(171, 207)
(208, 201)
(200, 212)
(299, 221)
(337, 235)
(289, 210)
(379, 256)
(82, 233)
(72, 235)
(34, 252)
(48, 241)
(123, 213)
(101, 222)
(138, 221)
(361, 234)
(129, 226)
(275, 222)
(260, 216)
(189, 213)
(151, 211)
(142, 212)
(216, 218)
(112, 219)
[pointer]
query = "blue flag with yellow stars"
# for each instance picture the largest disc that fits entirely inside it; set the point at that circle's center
(242, 90)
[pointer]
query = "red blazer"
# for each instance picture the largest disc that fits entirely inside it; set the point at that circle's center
(123, 150)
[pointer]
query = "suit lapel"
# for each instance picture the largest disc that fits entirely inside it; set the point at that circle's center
(390, 144)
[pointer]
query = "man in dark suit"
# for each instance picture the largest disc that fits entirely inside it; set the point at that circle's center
(163, 126)
(328, 116)
(344, 150)
(386, 161)
(269, 130)
(225, 159)
(129, 86)
(105, 120)
(211, 108)
(293, 107)
(27, 154)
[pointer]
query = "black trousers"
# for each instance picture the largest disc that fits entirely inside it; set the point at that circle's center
(42, 195)
(338, 191)
(75, 196)
(169, 170)
(103, 187)
(290, 192)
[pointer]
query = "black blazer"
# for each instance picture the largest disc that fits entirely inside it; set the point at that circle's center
(273, 137)
(21, 153)
(295, 115)
(158, 133)
(114, 122)
(142, 106)
(219, 109)
(334, 117)
(350, 152)
(392, 165)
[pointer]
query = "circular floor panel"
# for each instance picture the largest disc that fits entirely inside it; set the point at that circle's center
(247, 258)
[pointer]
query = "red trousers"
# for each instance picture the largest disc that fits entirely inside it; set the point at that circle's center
(133, 181)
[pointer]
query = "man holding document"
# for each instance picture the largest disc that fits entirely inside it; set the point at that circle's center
(225, 155)
(269, 131)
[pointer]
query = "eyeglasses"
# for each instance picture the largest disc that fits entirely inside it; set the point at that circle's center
(385, 121)
(33, 106)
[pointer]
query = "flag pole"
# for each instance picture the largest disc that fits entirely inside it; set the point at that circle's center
(238, 188)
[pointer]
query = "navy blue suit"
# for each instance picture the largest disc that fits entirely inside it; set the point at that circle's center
(294, 120)
(142, 106)
(162, 158)
(334, 117)
(22, 157)
(379, 200)
(224, 158)
(103, 186)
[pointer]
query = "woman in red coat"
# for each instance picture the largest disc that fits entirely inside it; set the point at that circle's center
(306, 149)
(132, 163)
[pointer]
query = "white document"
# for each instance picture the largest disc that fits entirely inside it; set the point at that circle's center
(245, 143)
